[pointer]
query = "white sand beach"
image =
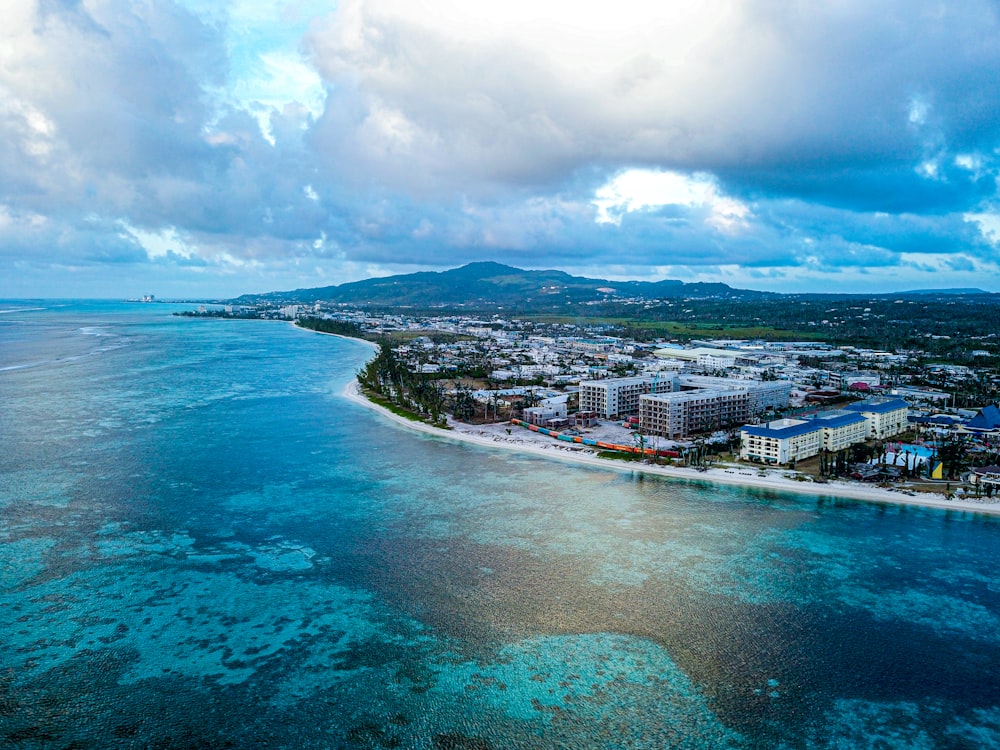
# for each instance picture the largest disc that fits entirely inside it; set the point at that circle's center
(496, 436)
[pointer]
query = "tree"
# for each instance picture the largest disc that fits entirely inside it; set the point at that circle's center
(465, 406)
(952, 453)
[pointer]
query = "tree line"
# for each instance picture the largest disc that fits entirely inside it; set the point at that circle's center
(338, 327)
(388, 376)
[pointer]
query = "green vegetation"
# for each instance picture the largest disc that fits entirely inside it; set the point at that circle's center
(415, 396)
(942, 326)
(620, 456)
(338, 327)
(398, 338)
(640, 329)
(385, 403)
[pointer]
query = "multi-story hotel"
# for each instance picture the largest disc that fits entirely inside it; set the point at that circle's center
(885, 416)
(781, 441)
(677, 415)
(704, 404)
(762, 395)
(786, 440)
(619, 397)
(841, 429)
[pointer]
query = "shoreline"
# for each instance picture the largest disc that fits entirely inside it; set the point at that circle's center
(495, 437)
(292, 323)
(488, 436)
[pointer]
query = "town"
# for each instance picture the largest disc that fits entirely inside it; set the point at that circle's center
(819, 410)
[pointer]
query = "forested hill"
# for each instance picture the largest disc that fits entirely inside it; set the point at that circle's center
(490, 284)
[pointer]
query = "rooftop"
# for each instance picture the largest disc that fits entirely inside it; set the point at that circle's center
(782, 428)
(838, 418)
(879, 405)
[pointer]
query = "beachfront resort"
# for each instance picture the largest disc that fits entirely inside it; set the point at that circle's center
(815, 411)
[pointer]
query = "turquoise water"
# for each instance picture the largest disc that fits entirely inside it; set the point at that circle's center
(203, 545)
(921, 451)
(918, 450)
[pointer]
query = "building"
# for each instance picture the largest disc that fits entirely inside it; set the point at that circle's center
(677, 415)
(886, 416)
(704, 404)
(785, 440)
(762, 395)
(986, 420)
(584, 419)
(841, 429)
(846, 379)
(619, 397)
(781, 441)
(921, 395)
(545, 412)
(986, 476)
(699, 355)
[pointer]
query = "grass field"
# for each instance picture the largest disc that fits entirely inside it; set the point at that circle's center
(684, 330)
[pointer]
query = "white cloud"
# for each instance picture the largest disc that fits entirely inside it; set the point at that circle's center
(988, 224)
(12, 219)
(274, 80)
(246, 136)
(639, 189)
(158, 244)
(529, 91)
(918, 110)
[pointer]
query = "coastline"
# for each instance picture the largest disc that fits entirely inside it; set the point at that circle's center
(494, 436)
(372, 344)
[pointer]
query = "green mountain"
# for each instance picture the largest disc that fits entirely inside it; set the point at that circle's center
(487, 284)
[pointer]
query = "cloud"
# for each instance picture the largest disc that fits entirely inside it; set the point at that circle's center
(527, 93)
(639, 189)
(282, 143)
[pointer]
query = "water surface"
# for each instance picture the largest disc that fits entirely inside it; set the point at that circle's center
(203, 545)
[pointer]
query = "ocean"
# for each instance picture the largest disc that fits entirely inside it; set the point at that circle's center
(204, 545)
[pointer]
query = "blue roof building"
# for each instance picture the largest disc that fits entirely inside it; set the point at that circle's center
(785, 440)
(988, 418)
(886, 416)
(883, 405)
(781, 441)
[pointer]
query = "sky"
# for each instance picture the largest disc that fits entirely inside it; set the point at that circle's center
(210, 148)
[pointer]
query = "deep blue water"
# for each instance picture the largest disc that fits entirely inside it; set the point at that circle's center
(203, 545)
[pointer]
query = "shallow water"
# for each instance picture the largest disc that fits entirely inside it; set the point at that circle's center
(203, 544)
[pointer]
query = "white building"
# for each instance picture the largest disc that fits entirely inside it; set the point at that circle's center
(886, 416)
(715, 362)
(540, 415)
(694, 355)
(762, 395)
(617, 397)
(921, 395)
(781, 441)
(785, 440)
(841, 429)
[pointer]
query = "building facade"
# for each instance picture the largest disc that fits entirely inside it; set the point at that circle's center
(841, 429)
(785, 440)
(886, 416)
(619, 397)
(781, 441)
(677, 415)
(762, 395)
